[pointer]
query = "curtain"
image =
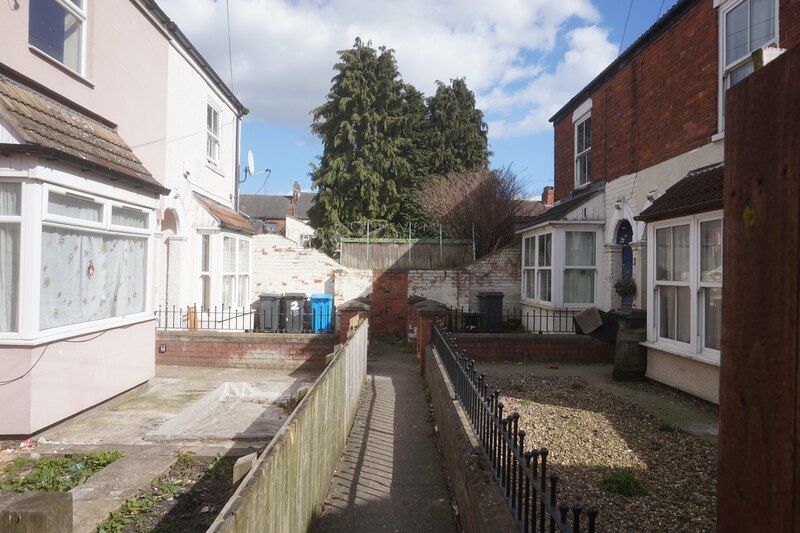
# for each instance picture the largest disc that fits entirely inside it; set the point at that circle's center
(9, 256)
(131, 218)
(579, 286)
(87, 276)
(762, 22)
(580, 248)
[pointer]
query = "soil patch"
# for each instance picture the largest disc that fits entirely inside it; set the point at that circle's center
(187, 498)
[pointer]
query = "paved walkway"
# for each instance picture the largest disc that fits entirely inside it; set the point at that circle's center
(390, 476)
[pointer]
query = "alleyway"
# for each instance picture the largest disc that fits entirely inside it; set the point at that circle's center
(390, 477)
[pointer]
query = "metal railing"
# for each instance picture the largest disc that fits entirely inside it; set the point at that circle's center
(244, 319)
(529, 489)
(539, 321)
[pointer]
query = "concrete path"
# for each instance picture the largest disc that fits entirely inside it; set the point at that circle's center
(390, 476)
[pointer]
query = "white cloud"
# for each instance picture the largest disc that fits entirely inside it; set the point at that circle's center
(284, 50)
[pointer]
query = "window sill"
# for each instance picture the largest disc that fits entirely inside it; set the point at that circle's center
(75, 330)
(213, 167)
(61, 66)
(681, 352)
(583, 186)
(718, 137)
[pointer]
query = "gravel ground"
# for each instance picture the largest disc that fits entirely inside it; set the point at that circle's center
(591, 433)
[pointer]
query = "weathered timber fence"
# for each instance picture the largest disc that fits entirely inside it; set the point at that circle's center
(530, 491)
(405, 254)
(291, 478)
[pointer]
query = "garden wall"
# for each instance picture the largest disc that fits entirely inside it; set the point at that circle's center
(245, 350)
(288, 485)
(534, 348)
(480, 504)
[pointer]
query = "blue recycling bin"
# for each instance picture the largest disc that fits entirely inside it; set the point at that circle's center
(321, 313)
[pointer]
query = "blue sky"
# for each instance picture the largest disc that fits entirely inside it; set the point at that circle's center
(523, 59)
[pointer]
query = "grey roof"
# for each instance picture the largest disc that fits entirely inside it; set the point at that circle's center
(274, 206)
(264, 205)
(51, 129)
(304, 203)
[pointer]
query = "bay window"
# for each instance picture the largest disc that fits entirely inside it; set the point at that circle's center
(93, 260)
(537, 267)
(56, 28)
(235, 270)
(560, 266)
(687, 284)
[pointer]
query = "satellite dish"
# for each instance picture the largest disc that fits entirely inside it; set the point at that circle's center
(250, 163)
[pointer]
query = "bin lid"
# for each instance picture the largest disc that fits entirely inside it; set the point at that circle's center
(322, 296)
(267, 295)
(489, 294)
(295, 295)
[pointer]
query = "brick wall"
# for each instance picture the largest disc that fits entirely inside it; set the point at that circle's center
(499, 271)
(789, 21)
(244, 350)
(535, 348)
(281, 265)
(389, 301)
(661, 104)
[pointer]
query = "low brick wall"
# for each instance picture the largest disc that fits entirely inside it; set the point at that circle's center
(534, 348)
(245, 350)
(481, 506)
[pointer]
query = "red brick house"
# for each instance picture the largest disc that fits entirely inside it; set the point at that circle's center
(638, 160)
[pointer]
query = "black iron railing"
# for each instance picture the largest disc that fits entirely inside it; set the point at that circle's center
(529, 489)
(535, 320)
(242, 319)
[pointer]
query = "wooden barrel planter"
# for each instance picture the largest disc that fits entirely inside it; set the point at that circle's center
(630, 357)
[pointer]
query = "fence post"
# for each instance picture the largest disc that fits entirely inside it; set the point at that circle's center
(38, 512)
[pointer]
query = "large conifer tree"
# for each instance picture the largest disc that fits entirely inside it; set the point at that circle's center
(460, 136)
(365, 165)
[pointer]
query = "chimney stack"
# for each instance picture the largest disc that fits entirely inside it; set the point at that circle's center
(548, 196)
(295, 197)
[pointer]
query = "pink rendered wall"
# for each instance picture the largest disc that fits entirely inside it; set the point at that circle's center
(52, 391)
(125, 78)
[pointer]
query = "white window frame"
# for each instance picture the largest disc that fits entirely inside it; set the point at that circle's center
(558, 265)
(81, 15)
(35, 217)
(16, 220)
(725, 69)
(583, 180)
(695, 348)
(205, 271)
(213, 143)
(239, 274)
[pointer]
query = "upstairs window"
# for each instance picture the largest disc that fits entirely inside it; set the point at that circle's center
(56, 28)
(212, 126)
(748, 25)
(583, 151)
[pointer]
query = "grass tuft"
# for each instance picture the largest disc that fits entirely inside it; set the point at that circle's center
(623, 482)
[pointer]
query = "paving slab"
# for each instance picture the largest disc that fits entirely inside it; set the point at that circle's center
(390, 476)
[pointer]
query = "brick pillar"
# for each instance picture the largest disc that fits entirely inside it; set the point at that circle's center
(347, 311)
(411, 317)
(427, 311)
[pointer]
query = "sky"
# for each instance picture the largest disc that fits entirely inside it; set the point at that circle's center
(523, 59)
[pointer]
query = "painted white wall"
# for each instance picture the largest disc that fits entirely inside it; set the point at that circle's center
(631, 192)
(280, 265)
(125, 77)
(295, 228)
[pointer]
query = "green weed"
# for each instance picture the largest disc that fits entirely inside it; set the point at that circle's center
(623, 482)
(54, 474)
